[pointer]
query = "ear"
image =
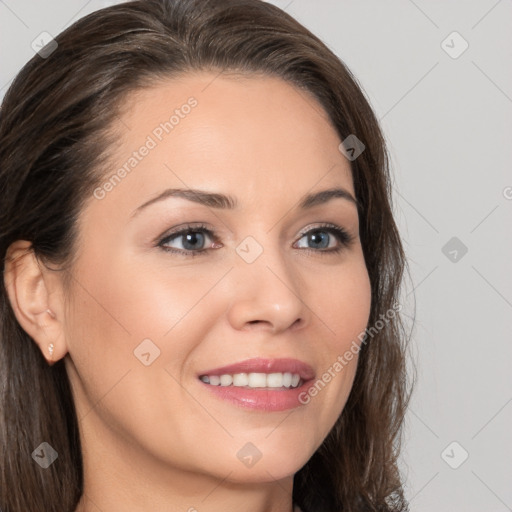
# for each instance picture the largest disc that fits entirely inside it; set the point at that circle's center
(35, 294)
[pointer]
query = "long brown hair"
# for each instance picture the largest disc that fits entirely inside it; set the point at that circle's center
(53, 145)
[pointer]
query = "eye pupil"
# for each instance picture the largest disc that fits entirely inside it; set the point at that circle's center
(316, 237)
(192, 238)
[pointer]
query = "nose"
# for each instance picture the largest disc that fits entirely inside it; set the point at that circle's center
(266, 294)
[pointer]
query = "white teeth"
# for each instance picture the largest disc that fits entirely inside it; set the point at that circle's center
(240, 379)
(257, 380)
(214, 380)
(254, 380)
(275, 380)
(226, 380)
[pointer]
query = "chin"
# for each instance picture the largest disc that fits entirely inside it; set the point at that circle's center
(265, 472)
(271, 465)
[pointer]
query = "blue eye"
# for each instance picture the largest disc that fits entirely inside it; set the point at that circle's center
(321, 237)
(193, 239)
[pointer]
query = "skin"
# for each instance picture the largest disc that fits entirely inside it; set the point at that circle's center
(153, 435)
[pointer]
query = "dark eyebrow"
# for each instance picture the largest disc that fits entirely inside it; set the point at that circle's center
(221, 201)
(325, 195)
(210, 199)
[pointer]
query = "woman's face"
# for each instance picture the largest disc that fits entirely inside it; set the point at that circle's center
(152, 311)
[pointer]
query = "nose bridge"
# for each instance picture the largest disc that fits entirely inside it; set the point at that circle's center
(267, 288)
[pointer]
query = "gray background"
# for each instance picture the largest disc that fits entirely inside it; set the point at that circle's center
(448, 125)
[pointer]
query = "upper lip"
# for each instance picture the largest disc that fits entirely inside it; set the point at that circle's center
(261, 365)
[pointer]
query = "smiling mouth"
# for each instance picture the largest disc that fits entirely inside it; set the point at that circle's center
(255, 380)
(260, 384)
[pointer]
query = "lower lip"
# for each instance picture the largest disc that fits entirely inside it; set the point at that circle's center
(260, 399)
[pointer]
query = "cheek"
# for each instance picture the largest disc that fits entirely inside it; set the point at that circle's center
(134, 300)
(120, 304)
(346, 303)
(343, 306)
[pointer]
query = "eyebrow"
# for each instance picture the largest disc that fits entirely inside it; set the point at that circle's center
(221, 201)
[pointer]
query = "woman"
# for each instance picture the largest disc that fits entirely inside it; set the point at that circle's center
(201, 271)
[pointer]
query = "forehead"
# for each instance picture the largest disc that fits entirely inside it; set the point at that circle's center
(252, 136)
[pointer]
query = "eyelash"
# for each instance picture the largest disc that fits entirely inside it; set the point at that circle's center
(341, 235)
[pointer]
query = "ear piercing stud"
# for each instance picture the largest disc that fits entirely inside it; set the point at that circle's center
(50, 349)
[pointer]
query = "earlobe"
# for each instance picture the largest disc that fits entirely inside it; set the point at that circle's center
(29, 288)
